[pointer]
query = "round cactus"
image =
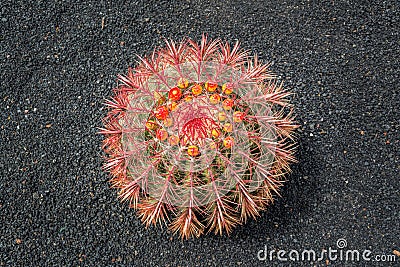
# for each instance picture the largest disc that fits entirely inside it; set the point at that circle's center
(198, 136)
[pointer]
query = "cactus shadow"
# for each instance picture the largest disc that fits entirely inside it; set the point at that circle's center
(298, 193)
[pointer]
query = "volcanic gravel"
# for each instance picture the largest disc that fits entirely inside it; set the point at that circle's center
(59, 61)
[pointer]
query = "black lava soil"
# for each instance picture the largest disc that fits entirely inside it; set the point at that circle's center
(59, 61)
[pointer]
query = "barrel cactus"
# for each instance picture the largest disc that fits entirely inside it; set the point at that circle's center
(198, 136)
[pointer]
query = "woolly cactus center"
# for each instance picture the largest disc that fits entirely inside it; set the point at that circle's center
(194, 120)
(197, 129)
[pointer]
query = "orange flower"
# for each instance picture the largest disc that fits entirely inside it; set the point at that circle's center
(175, 94)
(221, 116)
(227, 88)
(151, 125)
(227, 104)
(168, 122)
(216, 132)
(193, 151)
(238, 116)
(215, 98)
(161, 134)
(197, 89)
(161, 113)
(211, 86)
(228, 142)
(173, 140)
